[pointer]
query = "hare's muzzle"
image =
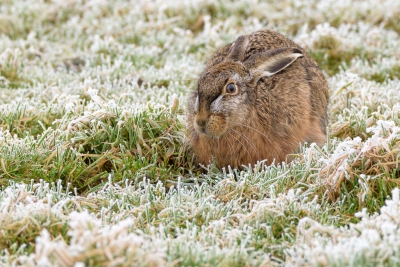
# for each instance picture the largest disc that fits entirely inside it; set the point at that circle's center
(214, 125)
(200, 123)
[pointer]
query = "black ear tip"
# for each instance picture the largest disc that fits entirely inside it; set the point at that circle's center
(297, 51)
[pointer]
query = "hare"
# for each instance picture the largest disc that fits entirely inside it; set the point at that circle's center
(258, 98)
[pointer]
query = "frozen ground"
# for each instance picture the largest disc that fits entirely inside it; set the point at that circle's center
(94, 170)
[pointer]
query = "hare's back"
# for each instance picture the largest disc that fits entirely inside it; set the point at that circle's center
(264, 40)
(261, 41)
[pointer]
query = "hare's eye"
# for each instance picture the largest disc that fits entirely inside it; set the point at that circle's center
(230, 88)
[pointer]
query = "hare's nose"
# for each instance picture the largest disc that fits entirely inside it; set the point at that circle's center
(201, 122)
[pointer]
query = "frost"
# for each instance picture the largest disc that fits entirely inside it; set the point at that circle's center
(69, 67)
(361, 242)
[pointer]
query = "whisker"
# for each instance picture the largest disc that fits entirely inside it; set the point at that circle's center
(248, 141)
(231, 149)
(248, 153)
(289, 141)
(252, 128)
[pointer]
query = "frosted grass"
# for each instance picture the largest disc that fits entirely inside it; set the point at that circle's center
(371, 242)
(76, 74)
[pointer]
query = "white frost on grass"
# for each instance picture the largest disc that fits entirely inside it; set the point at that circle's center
(349, 37)
(69, 63)
(374, 156)
(374, 241)
(89, 238)
(122, 231)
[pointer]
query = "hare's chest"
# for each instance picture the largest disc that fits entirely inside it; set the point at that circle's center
(243, 146)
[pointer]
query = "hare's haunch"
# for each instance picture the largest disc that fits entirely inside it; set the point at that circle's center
(258, 98)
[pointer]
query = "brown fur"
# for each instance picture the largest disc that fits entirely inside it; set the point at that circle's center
(268, 116)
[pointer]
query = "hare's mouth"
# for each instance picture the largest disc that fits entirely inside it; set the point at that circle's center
(213, 126)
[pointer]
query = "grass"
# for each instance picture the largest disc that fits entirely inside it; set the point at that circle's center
(95, 169)
(83, 150)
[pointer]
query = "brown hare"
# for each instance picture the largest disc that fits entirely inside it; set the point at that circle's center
(257, 99)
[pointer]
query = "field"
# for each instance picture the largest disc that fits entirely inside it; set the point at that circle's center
(95, 169)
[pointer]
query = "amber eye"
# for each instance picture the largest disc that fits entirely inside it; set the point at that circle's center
(230, 88)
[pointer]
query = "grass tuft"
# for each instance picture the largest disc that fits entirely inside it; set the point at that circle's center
(83, 150)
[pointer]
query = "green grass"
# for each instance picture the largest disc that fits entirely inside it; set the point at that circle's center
(94, 163)
(83, 150)
(385, 74)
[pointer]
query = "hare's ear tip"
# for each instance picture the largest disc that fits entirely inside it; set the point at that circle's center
(238, 48)
(296, 51)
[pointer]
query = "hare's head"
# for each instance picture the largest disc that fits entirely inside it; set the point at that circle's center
(226, 92)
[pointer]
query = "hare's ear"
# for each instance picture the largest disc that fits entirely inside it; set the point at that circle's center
(268, 63)
(238, 49)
